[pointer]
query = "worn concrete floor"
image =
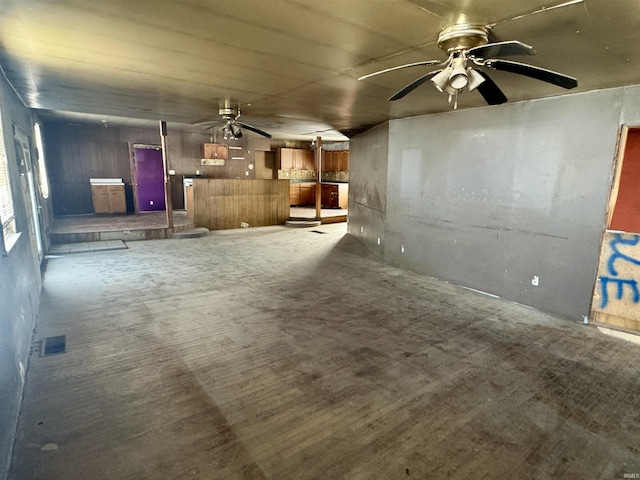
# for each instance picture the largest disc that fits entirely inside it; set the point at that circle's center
(279, 354)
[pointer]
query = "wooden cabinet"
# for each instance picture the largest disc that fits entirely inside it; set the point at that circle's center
(302, 194)
(284, 158)
(327, 161)
(298, 160)
(215, 150)
(334, 195)
(100, 195)
(335, 161)
(307, 194)
(108, 199)
(309, 162)
(343, 161)
(295, 159)
(294, 194)
(188, 200)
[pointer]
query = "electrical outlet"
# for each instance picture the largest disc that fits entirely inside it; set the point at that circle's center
(150, 202)
(401, 248)
(361, 229)
(378, 240)
(535, 281)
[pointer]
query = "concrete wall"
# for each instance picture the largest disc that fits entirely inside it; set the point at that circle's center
(492, 197)
(20, 283)
(368, 187)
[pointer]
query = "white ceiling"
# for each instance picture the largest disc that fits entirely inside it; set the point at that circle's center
(291, 65)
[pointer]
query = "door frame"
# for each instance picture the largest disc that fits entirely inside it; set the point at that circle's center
(22, 143)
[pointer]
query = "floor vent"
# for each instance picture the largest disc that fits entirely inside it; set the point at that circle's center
(318, 231)
(54, 345)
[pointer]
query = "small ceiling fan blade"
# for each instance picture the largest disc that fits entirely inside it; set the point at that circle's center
(408, 65)
(501, 49)
(207, 122)
(254, 129)
(531, 71)
(413, 85)
(490, 91)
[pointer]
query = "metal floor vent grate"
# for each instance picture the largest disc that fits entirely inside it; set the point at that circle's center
(54, 345)
(318, 231)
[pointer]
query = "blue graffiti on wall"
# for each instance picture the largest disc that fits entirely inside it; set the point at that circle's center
(616, 254)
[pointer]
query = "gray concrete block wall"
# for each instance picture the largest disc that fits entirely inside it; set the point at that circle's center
(20, 284)
(492, 197)
(368, 187)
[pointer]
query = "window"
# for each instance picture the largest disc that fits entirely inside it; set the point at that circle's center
(6, 199)
(43, 180)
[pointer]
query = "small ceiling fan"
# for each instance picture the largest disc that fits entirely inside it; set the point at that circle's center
(231, 127)
(467, 46)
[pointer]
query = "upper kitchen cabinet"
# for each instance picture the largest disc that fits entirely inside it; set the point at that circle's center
(215, 150)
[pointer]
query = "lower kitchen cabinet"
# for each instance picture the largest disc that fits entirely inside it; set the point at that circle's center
(108, 199)
(335, 195)
(302, 194)
(294, 194)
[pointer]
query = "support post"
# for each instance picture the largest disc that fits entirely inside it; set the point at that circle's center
(168, 207)
(318, 155)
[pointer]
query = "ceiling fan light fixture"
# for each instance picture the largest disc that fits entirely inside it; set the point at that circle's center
(441, 80)
(475, 79)
(227, 133)
(458, 78)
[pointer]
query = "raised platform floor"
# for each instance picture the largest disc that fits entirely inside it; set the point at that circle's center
(94, 228)
(148, 226)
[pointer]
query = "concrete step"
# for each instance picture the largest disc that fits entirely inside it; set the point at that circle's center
(193, 233)
(302, 223)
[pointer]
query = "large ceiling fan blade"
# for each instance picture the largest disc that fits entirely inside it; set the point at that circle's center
(437, 8)
(501, 49)
(413, 85)
(543, 9)
(254, 129)
(408, 65)
(490, 91)
(531, 71)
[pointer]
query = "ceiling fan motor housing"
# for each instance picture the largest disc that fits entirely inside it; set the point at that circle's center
(462, 36)
(227, 112)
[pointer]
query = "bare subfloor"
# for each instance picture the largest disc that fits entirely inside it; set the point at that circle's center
(279, 354)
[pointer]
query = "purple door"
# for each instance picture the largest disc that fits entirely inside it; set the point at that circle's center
(149, 179)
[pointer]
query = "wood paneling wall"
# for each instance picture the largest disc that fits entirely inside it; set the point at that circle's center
(225, 204)
(77, 152)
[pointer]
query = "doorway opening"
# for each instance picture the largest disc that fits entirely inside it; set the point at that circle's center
(299, 166)
(616, 297)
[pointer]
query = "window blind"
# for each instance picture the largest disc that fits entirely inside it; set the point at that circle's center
(6, 199)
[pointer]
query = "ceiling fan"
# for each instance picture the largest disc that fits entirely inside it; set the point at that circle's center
(467, 46)
(231, 127)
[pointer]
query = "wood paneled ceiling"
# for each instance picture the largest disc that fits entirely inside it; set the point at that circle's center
(291, 65)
